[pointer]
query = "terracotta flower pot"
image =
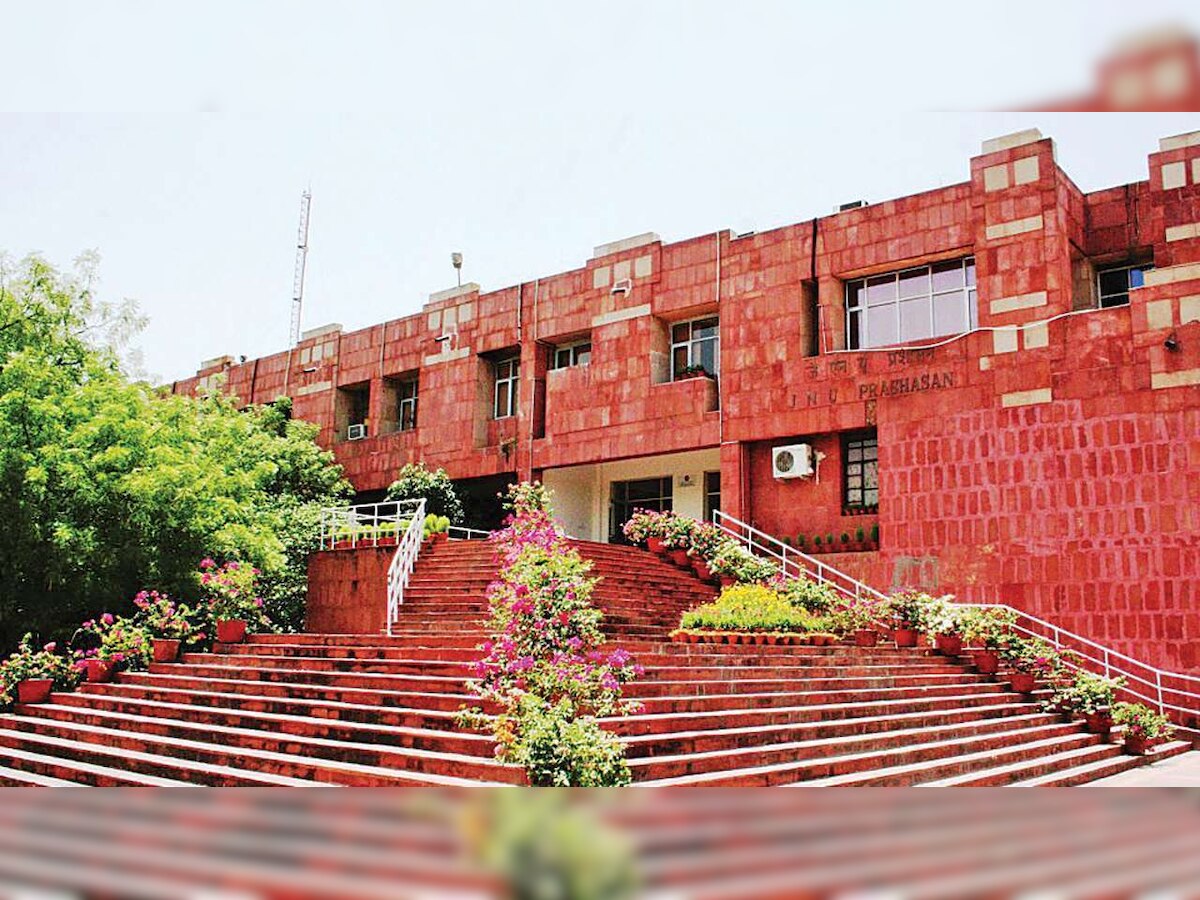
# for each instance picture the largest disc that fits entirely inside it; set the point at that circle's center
(948, 644)
(987, 661)
(700, 567)
(164, 650)
(98, 671)
(1023, 682)
(231, 631)
(865, 637)
(1099, 722)
(727, 580)
(34, 690)
(906, 637)
(1136, 746)
(440, 537)
(681, 558)
(654, 544)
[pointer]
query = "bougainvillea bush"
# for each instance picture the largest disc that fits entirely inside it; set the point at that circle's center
(544, 668)
(230, 593)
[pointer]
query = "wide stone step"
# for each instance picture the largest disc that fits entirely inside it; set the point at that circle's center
(672, 703)
(279, 674)
(327, 664)
(1093, 770)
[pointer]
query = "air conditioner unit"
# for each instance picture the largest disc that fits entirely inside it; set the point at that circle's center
(792, 461)
(624, 286)
(356, 432)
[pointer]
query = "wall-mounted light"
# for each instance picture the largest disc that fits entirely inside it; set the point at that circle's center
(1172, 343)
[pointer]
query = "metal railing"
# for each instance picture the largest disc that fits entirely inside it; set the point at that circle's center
(404, 561)
(791, 561)
(368, 524)
(461, 533)
(1166, 691)
(1173, 693)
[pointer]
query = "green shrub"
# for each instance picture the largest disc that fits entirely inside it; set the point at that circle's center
(1141, 721)
(557, 749)
(811, 596)
(417, 482)
(752, 607)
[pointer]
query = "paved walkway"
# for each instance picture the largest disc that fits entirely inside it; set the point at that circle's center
(1179, 771)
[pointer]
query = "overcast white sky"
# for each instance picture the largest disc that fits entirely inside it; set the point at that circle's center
(176, 140)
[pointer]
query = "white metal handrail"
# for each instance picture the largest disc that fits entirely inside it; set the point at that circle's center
(461, 533)
(1157, 687)
(368, 524)
(791, 561)
(404, 560)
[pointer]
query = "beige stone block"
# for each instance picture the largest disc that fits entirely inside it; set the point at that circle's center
(601, 276)
(1021, 301)
(315, 388)
(1196, 170)
(985, 363)
(1026, 398)
(1174, 175)
(457, 291)
(620, 315)
(433, 321)
(1189, 309)
(1037, 335)
(638, 240)
(622, 270)
(318, 353)
(466, 312)
(321, 331)
(995, 178)
(1182, 378)
(1179, 141)
(1158, 314)
(449, 318)
(1026, 170)
(1004, 340)
(306, 356)
(1183, 232)
(643, 266)
(1172, 274)
(1017, 226)
(1008, 141)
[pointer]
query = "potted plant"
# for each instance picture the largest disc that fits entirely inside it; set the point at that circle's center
(436, 528)
(858, 618)
(1030, 658)
(32, 674)
(169, 624)
(677, 539)
(646, 527)
(875, 536)
(801, 542)
(908, 613)
(845, 541)
(231, 599)
(941, 623)
(986, 628)
(692, 371)
(860, 538)
(1143, 726)
(1092, 696)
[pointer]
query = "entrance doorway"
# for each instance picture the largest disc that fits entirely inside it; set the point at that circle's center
(645, 493)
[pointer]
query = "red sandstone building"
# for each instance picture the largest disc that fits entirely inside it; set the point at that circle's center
(1002, 375)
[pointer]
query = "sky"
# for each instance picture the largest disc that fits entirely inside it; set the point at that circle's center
(176, 141)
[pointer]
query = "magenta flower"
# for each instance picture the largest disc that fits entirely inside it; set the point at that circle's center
(107, 619)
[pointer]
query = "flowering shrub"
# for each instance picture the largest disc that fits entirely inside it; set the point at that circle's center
(28, 662)
(230, 593)
(678, 532)
(645, 524)
(1142, 722)
(162, 617)
(812, 596)
(990, 626)
(860, 613)
(911, 608)
(544, 666)
(752, 607)
(1085, 693)
(1031, 655)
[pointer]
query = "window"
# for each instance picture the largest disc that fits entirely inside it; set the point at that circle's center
(712, 494)
(860, 457)
(508, 379)
(695, 345)
(568, 355)
(1113, 285)
(911, 305)
(627, 496)
(407, 393)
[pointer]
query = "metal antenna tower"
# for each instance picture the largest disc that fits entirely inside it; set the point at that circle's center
(301, 265)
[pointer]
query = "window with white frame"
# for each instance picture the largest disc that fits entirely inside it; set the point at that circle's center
(508, 377)
(695, 346)
(1114, 284)
(911, 304)
(568, 355)
(407, 393)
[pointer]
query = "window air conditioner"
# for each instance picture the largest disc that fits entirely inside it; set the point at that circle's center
(356, 432)
(792, 461)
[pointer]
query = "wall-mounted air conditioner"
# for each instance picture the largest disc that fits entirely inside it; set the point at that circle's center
(624, 286)
(356, 432)
(792, 461)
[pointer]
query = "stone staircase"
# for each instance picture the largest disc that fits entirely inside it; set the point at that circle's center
(310, 709)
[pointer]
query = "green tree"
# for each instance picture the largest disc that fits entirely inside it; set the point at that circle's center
(108, 485)
(416, 481)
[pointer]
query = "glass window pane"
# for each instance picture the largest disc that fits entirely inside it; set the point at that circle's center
(914, 282)
(679, 359)
(514, 367)
(583, 354)
(871, 475)
(854, 326)
(501, 399)
(950, 313)
(914, 320)
(881, 289)
(970, 272)
(681, 332)
(1137, 277)
(856, 292)
(562, 359)
(1114, 282)
(855, 453)
(947, 275)
(882, 326)
(705, 328)
(706, 355)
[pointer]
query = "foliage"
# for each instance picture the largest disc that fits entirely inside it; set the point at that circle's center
(27, 662)
(435, 524)
(645, 524)
(1030, 655)
(543, 665)
(678, 532)
(987, 626)
(548, 845)
(162, 617)
(416, 482)
(811, 596)
(527, 498)
(230, 593)
(1085, 693)
(557, 748)
(735, 561)
(1141, 721)
(942, 616)
(706, 540)
(752, 608)
(126, 644)
(860, 614)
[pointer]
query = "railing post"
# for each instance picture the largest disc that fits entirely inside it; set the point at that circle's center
(1159, 690)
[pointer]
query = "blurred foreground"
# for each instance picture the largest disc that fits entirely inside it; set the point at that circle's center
(248, 843)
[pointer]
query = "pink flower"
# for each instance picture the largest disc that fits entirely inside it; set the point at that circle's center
(258, 601)
(107, 619)
(231, 566)
(50, 647)
(207, 563)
